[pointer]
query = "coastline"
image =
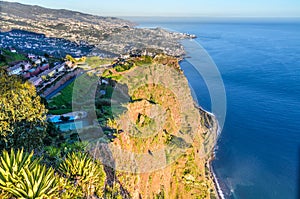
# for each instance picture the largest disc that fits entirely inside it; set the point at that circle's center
(215, 130)
(217, 188)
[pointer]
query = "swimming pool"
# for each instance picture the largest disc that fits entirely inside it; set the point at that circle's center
(57, 119)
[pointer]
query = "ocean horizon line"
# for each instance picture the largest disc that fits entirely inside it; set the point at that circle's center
(213, 19)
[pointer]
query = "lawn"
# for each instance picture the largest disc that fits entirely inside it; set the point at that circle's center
(95, 62)
(62, 103)
(144, 60)
(60, 111)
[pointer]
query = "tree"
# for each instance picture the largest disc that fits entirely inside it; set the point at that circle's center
(22, 115)
(70, 58)
(46, 55)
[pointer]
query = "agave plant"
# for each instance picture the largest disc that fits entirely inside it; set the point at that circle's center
(84, 172)
(24, 178)
(11, 167)
(4, 194)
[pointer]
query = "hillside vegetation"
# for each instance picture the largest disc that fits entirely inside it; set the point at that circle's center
(151, 141)
(162, 140)
(7, 57)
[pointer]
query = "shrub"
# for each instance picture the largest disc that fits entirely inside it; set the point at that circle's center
(87, 175)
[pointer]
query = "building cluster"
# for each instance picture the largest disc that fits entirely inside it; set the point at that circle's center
(40, 44)
(38, 70)
(106, 37)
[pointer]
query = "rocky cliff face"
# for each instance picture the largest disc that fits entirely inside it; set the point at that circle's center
(165, 140)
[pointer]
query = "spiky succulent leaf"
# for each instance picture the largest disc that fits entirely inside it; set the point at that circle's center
(26, 178)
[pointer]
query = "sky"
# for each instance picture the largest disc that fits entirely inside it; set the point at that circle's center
(173, 8)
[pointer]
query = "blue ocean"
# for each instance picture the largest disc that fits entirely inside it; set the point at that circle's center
(259, 61)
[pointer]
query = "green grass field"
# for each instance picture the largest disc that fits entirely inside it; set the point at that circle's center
(62, 102)
(8, 57)
(95, 62)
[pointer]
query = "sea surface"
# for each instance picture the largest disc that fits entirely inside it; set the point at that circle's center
(259, 61)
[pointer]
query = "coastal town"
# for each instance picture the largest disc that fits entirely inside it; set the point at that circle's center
(107, 36)
(39, 44)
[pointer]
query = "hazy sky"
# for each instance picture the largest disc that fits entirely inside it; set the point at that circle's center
(229, 8)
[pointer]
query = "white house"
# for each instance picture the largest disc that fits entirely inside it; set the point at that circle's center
(60, 67)
(31, 56)
(125, 56)
(57, 68)
(43, 59)
(26, 65)
(13, 50)
(37, 61)
(36, 80)
(15, 70)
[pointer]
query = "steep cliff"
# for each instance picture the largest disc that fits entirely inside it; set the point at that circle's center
(163, 140)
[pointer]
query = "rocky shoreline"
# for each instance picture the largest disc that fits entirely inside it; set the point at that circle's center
(215, 131)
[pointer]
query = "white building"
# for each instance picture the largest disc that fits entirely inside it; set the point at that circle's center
(60, 67)
(36, 80)
(31, 56)
(43, 59)
(37, 61)
(125, 56)
(13, 50)
(15, 70)
(25, 65)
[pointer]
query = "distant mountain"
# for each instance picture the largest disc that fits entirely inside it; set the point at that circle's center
(37, 12)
